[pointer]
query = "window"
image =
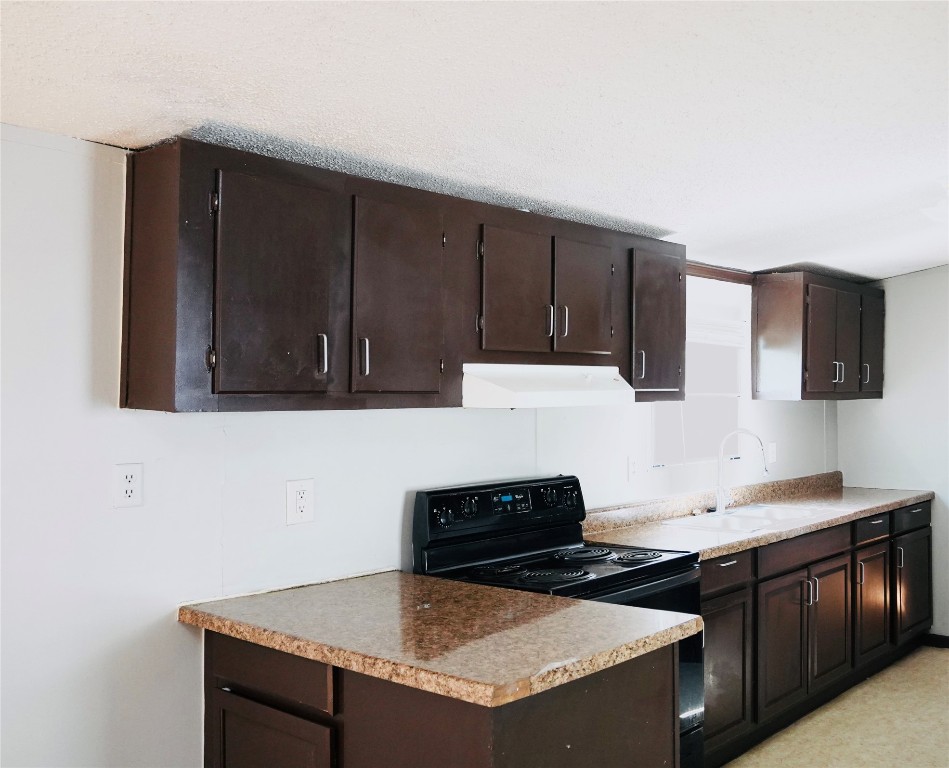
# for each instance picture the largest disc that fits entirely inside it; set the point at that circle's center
(717, 374)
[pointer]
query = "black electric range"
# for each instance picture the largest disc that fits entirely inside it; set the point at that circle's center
(527, 534)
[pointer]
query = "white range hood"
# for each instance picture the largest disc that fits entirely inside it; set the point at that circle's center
(542, 386)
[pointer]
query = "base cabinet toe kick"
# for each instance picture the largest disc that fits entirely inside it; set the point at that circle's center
(790, 625)
(266, 708)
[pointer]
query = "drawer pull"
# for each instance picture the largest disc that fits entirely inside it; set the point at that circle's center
(730, 562)
(914, 511)
(877, 522)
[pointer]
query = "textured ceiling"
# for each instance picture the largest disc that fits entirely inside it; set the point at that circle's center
(759, 134)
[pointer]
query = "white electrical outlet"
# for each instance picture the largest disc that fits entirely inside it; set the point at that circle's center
(128, 485)
(299, 501)
(772, 452)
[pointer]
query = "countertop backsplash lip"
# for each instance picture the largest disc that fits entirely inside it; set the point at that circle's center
(635, 513)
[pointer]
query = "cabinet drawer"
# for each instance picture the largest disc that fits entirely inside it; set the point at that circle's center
(278, 676)
(727, 571)
(871, 528)
(801, 550)
(916, 516)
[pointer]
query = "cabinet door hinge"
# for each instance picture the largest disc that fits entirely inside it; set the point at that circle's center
(210, 358)
(214, 202)
(480, 248)
(611, 331)
(612, 269)
(441, 365)
(479, 323)
(680, 277)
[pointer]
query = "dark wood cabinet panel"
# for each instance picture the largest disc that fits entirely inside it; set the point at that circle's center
(829, 621)
(397, 298)
(658, 319)
(516, 273)
(246, 734)
(912, 584)
(729, 671)
(272, 282)
(871, 619)
(812, 335)
(583, 291)
(782, 643)
(802, 550)
(821, 368)
(871, 344)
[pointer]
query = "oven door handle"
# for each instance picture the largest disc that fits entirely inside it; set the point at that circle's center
(648, 589)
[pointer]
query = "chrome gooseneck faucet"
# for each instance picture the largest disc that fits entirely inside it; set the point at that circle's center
(721, 494)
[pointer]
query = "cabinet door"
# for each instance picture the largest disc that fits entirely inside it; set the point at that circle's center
(245, 734)
(275, 245)
(397, 298)
(913, 586)
(658, 294)
(829, 621)
(583, 291)
(848, 342)
(782, 643)
(819, 360)
(871, 344)
(871, 620)
(516, 273)
(728, 666)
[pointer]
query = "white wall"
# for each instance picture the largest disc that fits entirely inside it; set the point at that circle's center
(902, 441)
(96, 671)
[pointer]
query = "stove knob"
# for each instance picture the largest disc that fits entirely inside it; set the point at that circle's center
(570, 499)
(550, 496)
(445, 517)
(470, 506)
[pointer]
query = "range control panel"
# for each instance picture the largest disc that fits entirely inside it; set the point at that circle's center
(504, 505)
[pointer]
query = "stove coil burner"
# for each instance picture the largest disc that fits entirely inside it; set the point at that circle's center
(497, 571)
(555, 576)
(635, 558)
(586, 555)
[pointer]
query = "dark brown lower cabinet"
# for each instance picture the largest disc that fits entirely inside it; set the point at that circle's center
(246, 734)
(871, 618)
(266, 708)
(912, 583)
(729, 656)
(803, 633)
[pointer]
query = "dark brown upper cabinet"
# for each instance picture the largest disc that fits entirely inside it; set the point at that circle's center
(658, 324)
(272, 283)
(397, 297)
(517, 314)
(541, 293)
(816, 338)
(583, 293)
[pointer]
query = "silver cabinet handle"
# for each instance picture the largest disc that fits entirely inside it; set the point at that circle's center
(877, 522)
(323, 365)
(364, 343)
(914, 511)
(550, 319)
(730, 562)
(860, 579)
(816, 591)
(843, 370)
(836, 372)
(867, 367)
(809, 600)
(899, 558)
(566, 320)
(643, 353)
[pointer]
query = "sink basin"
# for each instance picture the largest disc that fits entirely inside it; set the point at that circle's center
(771, 513)
(716, 522)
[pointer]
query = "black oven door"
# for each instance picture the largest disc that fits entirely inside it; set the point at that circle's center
(676, 592)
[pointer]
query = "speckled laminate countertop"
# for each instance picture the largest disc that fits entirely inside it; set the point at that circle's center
(484, 645)
(829, 507)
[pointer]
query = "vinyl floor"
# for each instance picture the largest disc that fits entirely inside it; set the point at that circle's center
(897, 718)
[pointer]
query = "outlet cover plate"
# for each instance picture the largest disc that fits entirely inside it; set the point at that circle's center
(128, 485)
(300, 501)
